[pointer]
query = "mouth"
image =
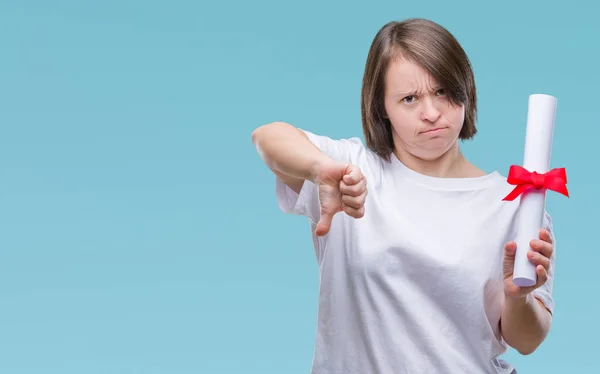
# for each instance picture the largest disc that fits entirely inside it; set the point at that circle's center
(434, 131)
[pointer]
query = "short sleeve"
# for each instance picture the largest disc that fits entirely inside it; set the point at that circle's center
(306, 203)
(544, 293)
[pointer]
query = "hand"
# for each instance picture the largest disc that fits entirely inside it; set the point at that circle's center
(342, 187)
(539, 255)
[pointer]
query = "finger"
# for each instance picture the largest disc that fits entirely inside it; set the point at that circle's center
(353, 189)
(538, 259)
(508, 263)
(545, 236)
(542, 275)
(353, 176)
(354, 202)
(510, 248)
(353, 212)
(542, 247)
(324, 224)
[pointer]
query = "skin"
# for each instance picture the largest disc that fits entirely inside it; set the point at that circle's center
(525, 321)
(415, 104)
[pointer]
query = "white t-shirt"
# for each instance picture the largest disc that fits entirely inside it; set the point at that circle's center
(415, 286)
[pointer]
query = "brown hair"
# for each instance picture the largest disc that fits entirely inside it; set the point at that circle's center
(429, 45)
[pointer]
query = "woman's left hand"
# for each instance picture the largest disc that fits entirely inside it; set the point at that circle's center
(539, 254)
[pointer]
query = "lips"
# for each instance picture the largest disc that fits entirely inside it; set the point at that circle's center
(434, 131)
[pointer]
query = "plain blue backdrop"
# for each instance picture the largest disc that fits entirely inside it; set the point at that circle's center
(139, 231)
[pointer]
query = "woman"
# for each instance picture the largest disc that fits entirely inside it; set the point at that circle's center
(413, 241)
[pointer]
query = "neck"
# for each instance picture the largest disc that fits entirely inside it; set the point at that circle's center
(451, 164)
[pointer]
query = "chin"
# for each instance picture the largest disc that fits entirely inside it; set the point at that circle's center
(429, 156)
(433, 153)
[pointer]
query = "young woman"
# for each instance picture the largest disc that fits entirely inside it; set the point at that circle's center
(413, 241)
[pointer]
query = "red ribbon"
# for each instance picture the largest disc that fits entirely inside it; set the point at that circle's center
(555, 180)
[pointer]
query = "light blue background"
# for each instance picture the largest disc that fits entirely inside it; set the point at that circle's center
(139, 231)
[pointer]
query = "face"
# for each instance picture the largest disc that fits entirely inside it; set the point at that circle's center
(424, 122)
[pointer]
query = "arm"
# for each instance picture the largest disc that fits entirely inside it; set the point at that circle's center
(525, 323)
(525, 320)
(289, 153)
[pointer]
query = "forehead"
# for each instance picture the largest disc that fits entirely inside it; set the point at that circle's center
(405, 76)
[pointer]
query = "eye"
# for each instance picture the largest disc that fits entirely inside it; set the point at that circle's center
(440, 92)
(408, 99)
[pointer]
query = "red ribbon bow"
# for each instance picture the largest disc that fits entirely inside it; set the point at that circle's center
(555, 180)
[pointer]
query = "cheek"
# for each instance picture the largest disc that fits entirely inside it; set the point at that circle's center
(456, 115)
(403, 126)
(403, 121)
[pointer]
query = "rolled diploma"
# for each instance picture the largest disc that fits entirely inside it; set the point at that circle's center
(538, 149)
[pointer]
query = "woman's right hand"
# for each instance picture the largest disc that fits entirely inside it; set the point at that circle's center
(342, 188)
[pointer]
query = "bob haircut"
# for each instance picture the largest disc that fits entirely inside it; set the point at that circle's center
(430, 46)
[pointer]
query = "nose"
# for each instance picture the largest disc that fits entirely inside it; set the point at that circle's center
(429, 111)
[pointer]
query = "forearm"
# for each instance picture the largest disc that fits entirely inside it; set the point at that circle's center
(287, 150)
(525, 323)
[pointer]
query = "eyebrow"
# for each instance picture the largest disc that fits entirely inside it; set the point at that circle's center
(404, 93)
(414, 92)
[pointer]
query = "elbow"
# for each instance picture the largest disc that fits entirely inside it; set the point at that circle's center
(526, 351)
(256, 134)
(263, 136)
(529, 347)
(524, 344)
(259, 131)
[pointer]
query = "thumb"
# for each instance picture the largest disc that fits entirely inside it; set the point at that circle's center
(324, 224)
(510, 250)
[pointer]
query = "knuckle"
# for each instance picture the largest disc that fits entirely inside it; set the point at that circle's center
(354, 190)
(351, 201)
(361, 212)
(544, 262)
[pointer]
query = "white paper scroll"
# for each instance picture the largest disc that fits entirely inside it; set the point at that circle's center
(538, 149)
